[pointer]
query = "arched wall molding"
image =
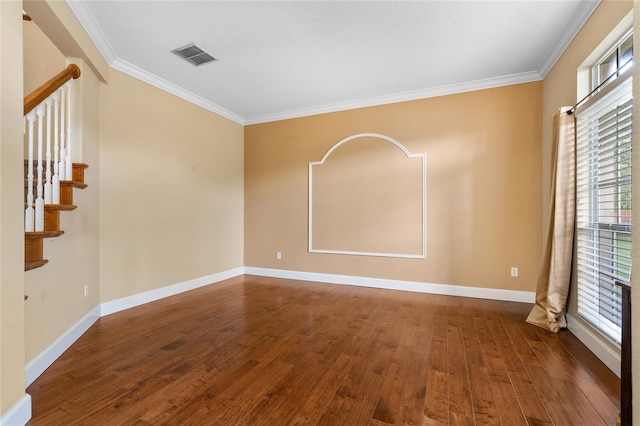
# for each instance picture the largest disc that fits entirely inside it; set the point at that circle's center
(422, 156)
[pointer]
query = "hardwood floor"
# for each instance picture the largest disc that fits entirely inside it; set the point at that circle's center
(263, 351)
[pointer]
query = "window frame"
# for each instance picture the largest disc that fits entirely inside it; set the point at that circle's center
(596, 78)
(597, 220)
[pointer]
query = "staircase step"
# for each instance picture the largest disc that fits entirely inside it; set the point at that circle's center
(52, 234)
(74, 183)
(61, 207)
(66, 190)
(33, 265)
(77, 173)
(51, 219)
(33, 241)
(33, 250)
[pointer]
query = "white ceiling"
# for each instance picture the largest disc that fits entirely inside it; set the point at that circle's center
(284, 59)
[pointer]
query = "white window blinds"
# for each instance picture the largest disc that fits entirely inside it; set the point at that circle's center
(603, 132)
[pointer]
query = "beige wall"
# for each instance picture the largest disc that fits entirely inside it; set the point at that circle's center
(42, 60)
(483, 187)
(171, 194)
(12, 358)
(560, 89)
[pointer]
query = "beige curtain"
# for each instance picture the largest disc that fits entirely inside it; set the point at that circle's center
(555, 271)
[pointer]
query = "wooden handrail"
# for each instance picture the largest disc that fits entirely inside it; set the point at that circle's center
(33, 99)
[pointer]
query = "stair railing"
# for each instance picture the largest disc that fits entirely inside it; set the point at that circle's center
(54, 95)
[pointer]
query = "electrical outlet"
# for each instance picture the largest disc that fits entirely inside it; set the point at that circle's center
(514, 271)
(86, 290)
(278, 255)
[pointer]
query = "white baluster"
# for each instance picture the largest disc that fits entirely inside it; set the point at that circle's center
(62, 169)
(56, 148)
(48, 195)
(68, 163)
(28, 213)
(39, 219)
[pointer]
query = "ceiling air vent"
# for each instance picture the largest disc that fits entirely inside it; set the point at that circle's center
(193, 54)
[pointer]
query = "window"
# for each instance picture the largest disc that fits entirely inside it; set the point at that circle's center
(603, 132)
(615, 62)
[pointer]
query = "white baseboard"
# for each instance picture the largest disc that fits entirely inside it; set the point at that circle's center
(595, 343)
(418, 287)
(19, 414)
(160, 293)
(36, 366)
(40, 363)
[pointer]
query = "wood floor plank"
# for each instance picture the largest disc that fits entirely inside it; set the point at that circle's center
(388, 404)
(354, 403)
(436, 408)
(506, 399)
(315, 400)
(532, 405)
(437, 397)
(459, 385)
(268, 351)
(559, 409)
(398, 375)
(415, 370)
(599, 391)
(484, 407)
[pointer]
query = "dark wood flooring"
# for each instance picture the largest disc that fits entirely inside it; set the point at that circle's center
(264, 351)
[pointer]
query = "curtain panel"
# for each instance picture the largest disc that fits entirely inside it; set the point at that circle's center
(555, 270)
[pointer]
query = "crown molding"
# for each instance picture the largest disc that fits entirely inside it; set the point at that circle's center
(88, 21)
(167, 86)
(432, 92)
(582, 15)
(90, 25)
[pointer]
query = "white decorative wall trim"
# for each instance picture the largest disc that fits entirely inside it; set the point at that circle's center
(414, 286)
(594, 342)
(19, 414)
(36, 366)
(421, 156)
(118, 305)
